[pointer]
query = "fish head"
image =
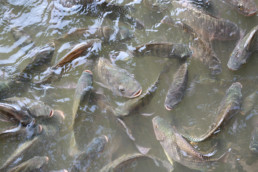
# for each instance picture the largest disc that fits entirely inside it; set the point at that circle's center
(129, 88)
(254, 141)
(238, 57)
(162, 128)
(246, 7)
(39, 109)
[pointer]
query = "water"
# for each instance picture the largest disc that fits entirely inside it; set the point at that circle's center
(46, 20)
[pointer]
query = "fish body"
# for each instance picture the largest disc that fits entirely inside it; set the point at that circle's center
(244, 7)
(230, 105)
(34, 164)
(120, 81)
(253, 146)
(77, 51)
(36, 108)
(105, 33)
(177, 88)
(202, 50)
(249, 102)
(83, 160)
(207, 27)
(244, 49)
(177, 149)
(164, 49)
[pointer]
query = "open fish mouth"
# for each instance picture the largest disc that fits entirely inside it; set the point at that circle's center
(138, 93)
(51, 113)
(168, 108)
(88, 71)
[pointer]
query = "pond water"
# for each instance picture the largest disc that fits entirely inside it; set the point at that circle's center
(44, 21)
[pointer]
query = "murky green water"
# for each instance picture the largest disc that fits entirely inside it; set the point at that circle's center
(45, 20)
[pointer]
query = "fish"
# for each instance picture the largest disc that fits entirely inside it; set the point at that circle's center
(105, 33)
(178, 149)
(244, 7)
(118, 80)
(77, 51)
(33, 164)
(16, 112)
(24, 147)
(36, 108)
(82, 91)
(55, 72)
(206, 26)
(202, 50)
(177, 88)
(253, 146)
(248, 103)
(121, 162)
(244, 49)
(136, 103)
(83, 161)
(164, 49)
(229, 106)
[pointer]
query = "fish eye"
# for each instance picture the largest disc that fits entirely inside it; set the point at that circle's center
(121, 88)
(240, 6)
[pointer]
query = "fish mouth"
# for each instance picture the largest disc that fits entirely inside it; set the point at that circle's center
(106, 138)
(168, 108)
(51, 113)
(88, 71)
(60, 114)
(40, 128)
(137, 93)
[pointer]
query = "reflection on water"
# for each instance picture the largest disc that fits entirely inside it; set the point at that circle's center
(44, 21)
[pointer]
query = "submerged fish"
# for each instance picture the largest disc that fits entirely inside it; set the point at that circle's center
(253, 146)
(178, 149)
(244, 7)
(207, 27)
(230, 105)
(202, 50)
(120, 81)
(82, 91)
(248, 103)
(244, 49)
(34, 164)
(165, 49)
(104, 33)
(120, 163)
(177, 88)
(84, 160)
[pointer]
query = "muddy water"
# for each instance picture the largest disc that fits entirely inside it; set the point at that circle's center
(46, 20)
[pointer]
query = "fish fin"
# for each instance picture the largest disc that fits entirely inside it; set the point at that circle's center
(142, 150)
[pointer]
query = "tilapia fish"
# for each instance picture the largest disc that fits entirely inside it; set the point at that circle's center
(253, 146)
(177, 88)
(207, 27)
(33, 164)
(120, 163)
(82, 91)
(244, 49)
(165, 49)
(230, 105)
(83, 161)
(104, 33)
(133, 104)
(120, 81)
(178, 149)
(244, 7)
(202, 50)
